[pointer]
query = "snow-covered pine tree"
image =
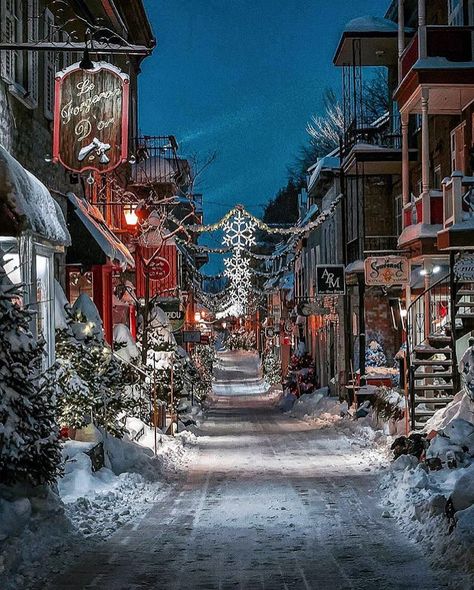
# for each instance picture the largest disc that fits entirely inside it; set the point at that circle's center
(271, 368)
(30, 450)
(92, 381)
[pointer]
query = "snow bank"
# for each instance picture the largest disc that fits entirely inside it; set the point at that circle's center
(44, 527)
(421, 499)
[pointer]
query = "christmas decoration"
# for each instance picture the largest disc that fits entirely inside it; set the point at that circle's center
(30, 451)
(271, 368)
(374, 355)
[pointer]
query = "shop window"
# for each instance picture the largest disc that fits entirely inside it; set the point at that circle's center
(437, 177)
(458, 148)
(78, 283)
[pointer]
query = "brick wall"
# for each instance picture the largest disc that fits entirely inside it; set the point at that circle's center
(378, 324)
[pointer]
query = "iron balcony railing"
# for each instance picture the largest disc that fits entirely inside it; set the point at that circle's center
(384, 132)
(156, 161)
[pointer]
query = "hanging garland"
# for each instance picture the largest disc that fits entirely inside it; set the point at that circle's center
(240, 211)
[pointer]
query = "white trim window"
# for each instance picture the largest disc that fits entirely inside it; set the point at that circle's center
(19, 69)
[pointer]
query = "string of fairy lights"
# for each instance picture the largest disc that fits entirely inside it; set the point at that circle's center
(240, 295)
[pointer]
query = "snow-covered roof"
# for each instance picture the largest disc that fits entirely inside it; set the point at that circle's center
(441, 63)
(309, 215)
(328, 163)
(371, 24)
(92, 219)
(27, 202)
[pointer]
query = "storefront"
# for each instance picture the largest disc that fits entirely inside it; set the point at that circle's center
(32, 232)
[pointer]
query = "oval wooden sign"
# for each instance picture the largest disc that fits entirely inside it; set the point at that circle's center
(91, 118)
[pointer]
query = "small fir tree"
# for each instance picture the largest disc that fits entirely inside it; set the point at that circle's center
(30, 450)
(271, 368)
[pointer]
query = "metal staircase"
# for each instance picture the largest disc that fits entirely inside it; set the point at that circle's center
(431, 345)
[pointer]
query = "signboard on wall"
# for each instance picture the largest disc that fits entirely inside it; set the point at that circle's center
(464, 268)
(385, 271)
(174, 312)
(330, 279)
(192, 336)
(158, 268)
(91, 118)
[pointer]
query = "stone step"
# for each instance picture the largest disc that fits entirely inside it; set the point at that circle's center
(424, 412)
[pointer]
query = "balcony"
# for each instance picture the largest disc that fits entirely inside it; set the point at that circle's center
(458, 213)
(361, 247)
(374, 147)
(449, 61)
(422, 219)
(157, 163)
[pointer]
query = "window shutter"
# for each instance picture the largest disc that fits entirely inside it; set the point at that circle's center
(8, 58)
(33, 60)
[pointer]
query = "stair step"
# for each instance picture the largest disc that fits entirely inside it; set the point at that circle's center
(465, 304)
(431, 350)
(434, 386)
(441, 338)
(465, 292)
(428, 363)
(425, 412)
(434, 400)
(429, 374)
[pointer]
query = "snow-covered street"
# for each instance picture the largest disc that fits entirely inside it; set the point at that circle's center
(269, 501)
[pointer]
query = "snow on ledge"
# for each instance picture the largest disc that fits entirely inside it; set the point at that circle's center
(29, 202)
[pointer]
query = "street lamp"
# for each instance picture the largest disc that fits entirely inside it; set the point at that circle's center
(130, 214)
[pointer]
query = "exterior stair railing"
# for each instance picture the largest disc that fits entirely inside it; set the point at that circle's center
(428, 332)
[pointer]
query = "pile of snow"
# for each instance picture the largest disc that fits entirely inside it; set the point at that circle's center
(52, 526)
(436, 507)
(318, 407)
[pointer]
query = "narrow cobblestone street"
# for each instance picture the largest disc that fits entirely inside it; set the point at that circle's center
(268, 503)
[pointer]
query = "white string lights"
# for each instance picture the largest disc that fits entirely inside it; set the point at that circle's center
(241, 296)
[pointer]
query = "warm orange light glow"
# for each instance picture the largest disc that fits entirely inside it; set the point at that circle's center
(129, 212)
(197, 316)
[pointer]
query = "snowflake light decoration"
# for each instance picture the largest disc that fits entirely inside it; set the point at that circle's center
(239, 232)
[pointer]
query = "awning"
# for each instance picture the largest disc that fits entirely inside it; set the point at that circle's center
(26, 204)
(92, 219)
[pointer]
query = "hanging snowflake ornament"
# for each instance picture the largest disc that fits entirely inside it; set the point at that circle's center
(239, 232)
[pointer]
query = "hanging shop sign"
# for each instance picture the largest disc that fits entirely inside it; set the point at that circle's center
(91, 118)
(464, 268)
(330, 279)
(269, 332)
(174, 312)
(192, 336)
(158, 268)
(385, 271)
(307, 309)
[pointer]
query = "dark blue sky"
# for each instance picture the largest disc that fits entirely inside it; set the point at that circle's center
(242, 77)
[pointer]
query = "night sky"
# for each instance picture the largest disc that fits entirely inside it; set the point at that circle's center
(242, 78)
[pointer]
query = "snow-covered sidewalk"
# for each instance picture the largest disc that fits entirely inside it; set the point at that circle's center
(41, 535)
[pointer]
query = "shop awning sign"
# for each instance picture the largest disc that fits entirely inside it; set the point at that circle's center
(174, 312)
(385, 271)
(158, 268)
(91, 118)
(330, 279)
